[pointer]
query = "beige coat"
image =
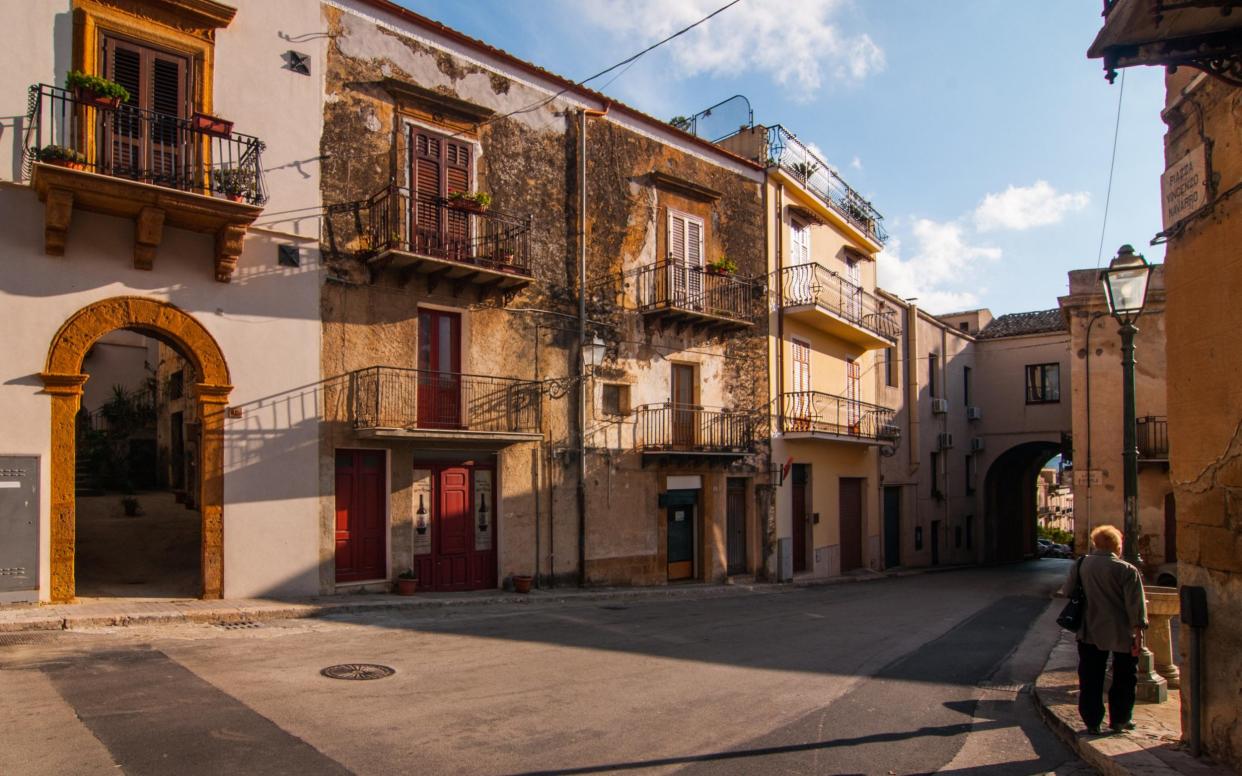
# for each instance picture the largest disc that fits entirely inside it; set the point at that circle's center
(1116, 604)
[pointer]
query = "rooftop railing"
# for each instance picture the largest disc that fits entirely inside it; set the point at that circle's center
(677, 286)
(794, 157)
(438, 227)
(188, 154)
(838, 415)
(670, 427)
(386, 397)
(815, 284)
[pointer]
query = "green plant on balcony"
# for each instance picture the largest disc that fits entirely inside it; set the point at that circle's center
(681, 122)
(96, 91)
(722, 266)
(470, 200)
(233, 182)
(61, 156)
(805, 169)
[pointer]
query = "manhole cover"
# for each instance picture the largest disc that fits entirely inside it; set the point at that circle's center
(358, 671)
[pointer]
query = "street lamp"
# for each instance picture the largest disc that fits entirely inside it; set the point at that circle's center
(1125, 285)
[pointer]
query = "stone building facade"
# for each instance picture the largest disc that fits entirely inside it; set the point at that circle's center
(478, 422)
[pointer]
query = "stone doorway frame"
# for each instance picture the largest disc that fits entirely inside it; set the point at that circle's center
(63, 381)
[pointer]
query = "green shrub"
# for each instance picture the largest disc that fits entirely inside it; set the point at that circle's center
(100, 86)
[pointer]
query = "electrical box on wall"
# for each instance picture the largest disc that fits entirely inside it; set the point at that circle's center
(19, 526)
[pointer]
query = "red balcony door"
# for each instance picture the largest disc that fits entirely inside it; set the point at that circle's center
(439, 364)
(361, 529)
(685, 413)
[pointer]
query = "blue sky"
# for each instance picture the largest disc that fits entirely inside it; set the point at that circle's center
(977, 127)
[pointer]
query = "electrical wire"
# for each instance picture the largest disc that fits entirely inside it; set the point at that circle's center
(1108, 196)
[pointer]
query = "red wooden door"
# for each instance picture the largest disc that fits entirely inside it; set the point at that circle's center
(799, 495)
(439, 364)
(463, 547)
(685, 414)
(850, 509)
(361, 532)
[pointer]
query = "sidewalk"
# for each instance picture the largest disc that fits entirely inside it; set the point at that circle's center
(1152, 748)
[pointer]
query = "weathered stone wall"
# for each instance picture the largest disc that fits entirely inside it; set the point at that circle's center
(1203, 277)
(528, 161)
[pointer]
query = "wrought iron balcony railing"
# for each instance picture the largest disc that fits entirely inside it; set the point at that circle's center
(1153, 438)
(670, 427)
(386, 397)
(789, 153)
(141, 145)
(673, 286)
(815, 284)
(395, 220)
(838, 415)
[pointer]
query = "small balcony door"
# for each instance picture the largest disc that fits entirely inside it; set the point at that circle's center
(439, 364)
(802, 271)
(438, 167)
(800, 407)
(685, 412)
(853, 406)
(853, 290)
(685, 249)
(146, 139)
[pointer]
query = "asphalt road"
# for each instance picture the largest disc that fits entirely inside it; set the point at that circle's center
(911, 675)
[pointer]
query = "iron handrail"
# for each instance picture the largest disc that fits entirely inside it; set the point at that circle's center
(839, 415)
(794, 157)
(677, 285)
(402, 398)
(669, 426)
(815, 284)
(1152, 435)
(142, 145)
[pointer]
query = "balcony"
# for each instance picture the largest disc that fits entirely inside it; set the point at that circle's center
(684, 295)
(446, 410)
(683, 432)
(822, 299)
(815, 175)
(1152, 434)
(815, 415)
(158, 169)
(440, 239)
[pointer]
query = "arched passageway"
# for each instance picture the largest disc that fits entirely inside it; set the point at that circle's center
(63, 381)
(1009, 491)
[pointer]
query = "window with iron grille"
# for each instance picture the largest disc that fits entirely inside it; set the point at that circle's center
(1043, 383)
(615, 399)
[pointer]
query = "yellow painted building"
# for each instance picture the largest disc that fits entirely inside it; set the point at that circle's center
(829, 337)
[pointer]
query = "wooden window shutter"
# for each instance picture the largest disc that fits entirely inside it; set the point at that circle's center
(694, 243)
(456, 167)
(676, 238)
(156, 80)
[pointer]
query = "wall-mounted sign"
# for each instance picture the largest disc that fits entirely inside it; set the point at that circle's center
(484, 510)
(1092, 477)
(1184, 186)
(422, 511)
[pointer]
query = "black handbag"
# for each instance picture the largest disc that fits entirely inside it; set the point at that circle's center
(1071, 616)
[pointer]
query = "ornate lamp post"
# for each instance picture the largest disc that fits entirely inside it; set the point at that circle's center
(1125, 286)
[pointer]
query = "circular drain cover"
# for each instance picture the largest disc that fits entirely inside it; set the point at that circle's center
(359, 671)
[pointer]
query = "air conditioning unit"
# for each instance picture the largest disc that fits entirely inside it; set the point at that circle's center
(974, 413)
(976, 445)
(940, 406)
(945, 440)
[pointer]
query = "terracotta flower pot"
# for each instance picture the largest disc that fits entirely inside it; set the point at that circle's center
(89, 97)
(212, 125)
(468, 205)
(522, 583)
(407, 586)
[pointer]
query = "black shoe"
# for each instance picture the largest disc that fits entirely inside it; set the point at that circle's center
(1122, 727)
(1092, 730)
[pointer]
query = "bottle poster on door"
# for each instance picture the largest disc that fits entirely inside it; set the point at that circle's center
(484, 519)
(421, 511)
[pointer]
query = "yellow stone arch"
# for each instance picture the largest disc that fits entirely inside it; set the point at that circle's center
(63, 380)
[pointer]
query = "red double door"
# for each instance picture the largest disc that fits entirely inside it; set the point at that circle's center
(361, 524)
(462, 552)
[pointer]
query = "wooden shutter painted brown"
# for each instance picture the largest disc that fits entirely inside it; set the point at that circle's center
(439, 167)
(153, 147)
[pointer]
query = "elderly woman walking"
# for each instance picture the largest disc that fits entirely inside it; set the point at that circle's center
(1116, 614)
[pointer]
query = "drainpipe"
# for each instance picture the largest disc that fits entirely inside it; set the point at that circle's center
(780, 308)
(583, 114)
(912, 382)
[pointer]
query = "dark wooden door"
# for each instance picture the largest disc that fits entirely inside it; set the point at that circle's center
(681, 542)
(800, 492)
(439, 364)
(1170, 529)
(735, 517)
(892, 527)
(361, 530)
(439, 167)
(850, 511)
(145, 140)
(684, 411)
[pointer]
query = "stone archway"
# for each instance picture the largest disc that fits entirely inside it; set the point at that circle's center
(1009, 497)
(63, 380)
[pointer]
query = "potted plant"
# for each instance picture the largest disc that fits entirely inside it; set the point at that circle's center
(233, 182)
(61, 157)
(407, 582)
(211, 125)
(96, 91)
(131, 506)
(474, 201)
(522, 583)
(722, 266)
(805, 169)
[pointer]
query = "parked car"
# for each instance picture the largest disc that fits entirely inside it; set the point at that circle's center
(1050, 549)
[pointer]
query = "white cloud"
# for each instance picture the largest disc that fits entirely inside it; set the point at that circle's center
(798, 48)
(1023, 207)
(942, 263)
(856, 163)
